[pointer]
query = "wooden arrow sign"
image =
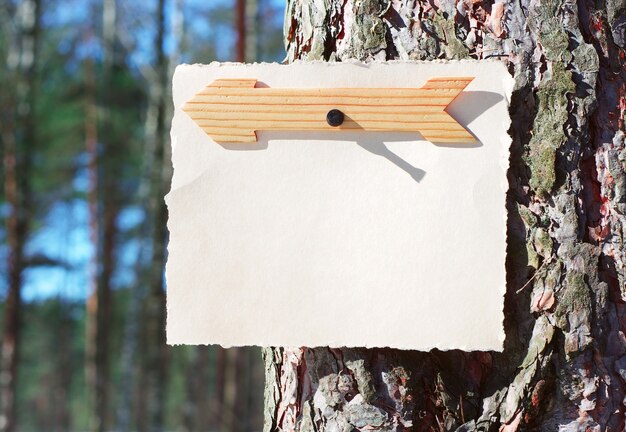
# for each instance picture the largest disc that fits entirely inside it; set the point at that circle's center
(232, 110)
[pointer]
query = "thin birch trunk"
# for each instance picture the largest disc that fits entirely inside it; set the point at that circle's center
(564, 363)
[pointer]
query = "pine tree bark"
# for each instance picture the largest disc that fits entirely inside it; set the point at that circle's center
(18, 138)
(564, 362)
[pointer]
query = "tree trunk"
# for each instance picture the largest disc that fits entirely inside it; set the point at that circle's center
(64, 367)
(156, 353)
(196, 410)
(231, 408)
(252, 31)
(240, 30)
(564, 362)
(220, 385)
(91, 149)
(18, 138)
(103, 209)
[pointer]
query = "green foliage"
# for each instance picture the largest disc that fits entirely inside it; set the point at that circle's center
(53, 351)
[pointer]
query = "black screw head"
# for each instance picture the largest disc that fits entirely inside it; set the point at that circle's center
(334, 117)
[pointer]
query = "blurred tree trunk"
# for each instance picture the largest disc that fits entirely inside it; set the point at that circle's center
(240, 30)
(18, 129)
(103, 209)
(64, 367)
(150, 191)
(91, 148)
(196, 415)
(252, 31)
(156, 356)
(253, 371)
(220, 384)
(564, 362)
(233, 408)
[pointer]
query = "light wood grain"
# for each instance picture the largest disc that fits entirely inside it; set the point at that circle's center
(232, 110)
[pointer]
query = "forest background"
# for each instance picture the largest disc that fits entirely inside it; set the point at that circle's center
(85, 111)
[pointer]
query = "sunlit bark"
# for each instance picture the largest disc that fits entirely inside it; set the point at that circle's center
(564, 363)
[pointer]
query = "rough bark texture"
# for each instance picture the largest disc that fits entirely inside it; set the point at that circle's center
(564, 363)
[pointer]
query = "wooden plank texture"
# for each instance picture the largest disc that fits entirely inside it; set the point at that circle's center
(232, 110)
